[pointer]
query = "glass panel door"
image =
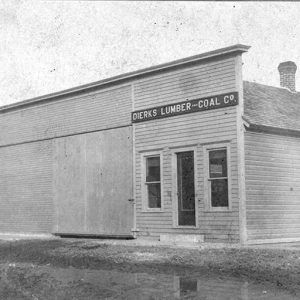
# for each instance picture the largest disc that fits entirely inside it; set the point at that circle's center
(186, 189)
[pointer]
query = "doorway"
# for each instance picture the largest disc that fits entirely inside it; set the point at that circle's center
(186, 214)
(93, 177)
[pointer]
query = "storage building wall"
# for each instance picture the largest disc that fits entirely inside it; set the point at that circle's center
(88, 112)
(272, 187)
(27, 147)
(26, 188)
(195, 129)
(93, 182)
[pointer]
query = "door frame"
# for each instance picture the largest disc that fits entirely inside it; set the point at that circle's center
(174, 152)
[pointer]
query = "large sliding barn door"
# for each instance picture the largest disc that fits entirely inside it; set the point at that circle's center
(93, 182)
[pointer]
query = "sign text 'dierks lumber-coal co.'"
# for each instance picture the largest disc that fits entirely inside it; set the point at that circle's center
(185, 107)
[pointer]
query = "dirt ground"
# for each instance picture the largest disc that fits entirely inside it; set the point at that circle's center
(22, 262)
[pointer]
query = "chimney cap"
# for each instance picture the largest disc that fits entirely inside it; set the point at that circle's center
(289, 66)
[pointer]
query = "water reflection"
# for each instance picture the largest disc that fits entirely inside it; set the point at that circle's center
(160, 286)
(213, 288)
(58, 283)
(187, 285)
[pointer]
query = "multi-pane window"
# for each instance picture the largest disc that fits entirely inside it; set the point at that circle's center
(153, 184)
(218, 178)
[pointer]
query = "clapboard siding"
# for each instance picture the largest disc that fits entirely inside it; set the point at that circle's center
(89, 112)
(272, 186)
(26, 188)
(199, 81)
(194, 129)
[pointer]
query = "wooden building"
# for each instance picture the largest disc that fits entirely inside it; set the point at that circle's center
(183, 150)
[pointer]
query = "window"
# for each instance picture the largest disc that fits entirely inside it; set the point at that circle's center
(217, 179)
(152, 183)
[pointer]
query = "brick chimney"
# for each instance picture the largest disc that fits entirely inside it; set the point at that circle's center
(287, 71)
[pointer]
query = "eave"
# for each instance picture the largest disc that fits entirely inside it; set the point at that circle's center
(269, 129)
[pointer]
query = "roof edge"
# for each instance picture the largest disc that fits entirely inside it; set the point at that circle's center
(271, 130)
(271, 86)
(238, 48)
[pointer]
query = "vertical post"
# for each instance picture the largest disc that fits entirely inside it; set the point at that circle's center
(134, 229)
(86, 229)
(55, 162)
(241, 151)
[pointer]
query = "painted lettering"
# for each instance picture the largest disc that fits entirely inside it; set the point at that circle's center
(183, 107)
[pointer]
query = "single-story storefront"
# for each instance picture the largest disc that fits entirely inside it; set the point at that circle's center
(180, 150)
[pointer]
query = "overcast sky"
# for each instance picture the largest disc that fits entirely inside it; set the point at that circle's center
(47, 46)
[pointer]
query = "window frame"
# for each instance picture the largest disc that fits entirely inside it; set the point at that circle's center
(145, 202)
(207, 179)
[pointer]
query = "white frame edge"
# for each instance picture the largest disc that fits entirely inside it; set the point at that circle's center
(144, 155)
(207, 197)
(175, 150)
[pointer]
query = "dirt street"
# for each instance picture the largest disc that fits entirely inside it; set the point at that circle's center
(84, 268)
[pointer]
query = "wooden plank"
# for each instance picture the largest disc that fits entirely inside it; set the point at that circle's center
(26, 188)
(92, 111)
(241, 152)
(286, 230)
(205, 67)
(191, 92)
(273, 186)
(282, 207)
(274, 221)
(109, 182)
(69, 190)
(273, 240)
(268, 235)
(257, 192)
(189, 77)
(94, 182)
(190, 121)
(256, 201)
(162, 92)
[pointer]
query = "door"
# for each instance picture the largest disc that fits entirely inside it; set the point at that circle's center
(109, 176)
(92, 183)
(186, 189)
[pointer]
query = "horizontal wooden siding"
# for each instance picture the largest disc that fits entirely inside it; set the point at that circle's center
(194, 129)
(89, 112)
(272, 186)
(26, 188)
(26, 151)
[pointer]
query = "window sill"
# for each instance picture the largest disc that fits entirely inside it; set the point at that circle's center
(213, 210)
(186, 227)
(151, 210)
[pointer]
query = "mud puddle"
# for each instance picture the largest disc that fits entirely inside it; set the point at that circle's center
(29, 281)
